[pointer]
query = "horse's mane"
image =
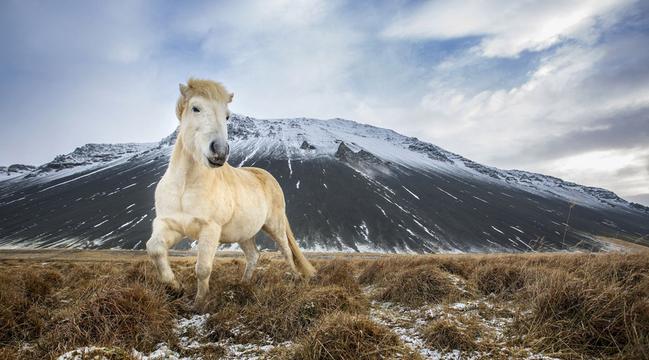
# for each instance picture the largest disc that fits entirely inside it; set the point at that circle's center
(206, 88)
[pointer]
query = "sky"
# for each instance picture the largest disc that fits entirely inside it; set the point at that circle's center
(556, 87)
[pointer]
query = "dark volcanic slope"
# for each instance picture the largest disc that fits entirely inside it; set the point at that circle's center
(348, 186)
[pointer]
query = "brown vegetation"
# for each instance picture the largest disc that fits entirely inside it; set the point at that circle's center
(277, 306)
(562, 305)
(347, 337)
(420, 285)
(447, 335)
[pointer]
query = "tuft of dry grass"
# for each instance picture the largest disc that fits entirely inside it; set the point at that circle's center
(588, 315)
(279, 309)
(420, 285)
(499, 279)
(446, 335)
(375, 272)
(338, 272)
(9, 352)
(343, 336)
(132, 316)
(24, 300)
(58, 307)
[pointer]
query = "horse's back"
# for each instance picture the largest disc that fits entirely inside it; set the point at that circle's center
(267, 181)
(263, 176)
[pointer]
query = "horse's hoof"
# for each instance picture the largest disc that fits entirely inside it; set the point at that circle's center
(289, 276)
(199, 307)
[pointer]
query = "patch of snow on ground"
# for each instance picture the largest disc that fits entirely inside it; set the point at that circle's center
(162, 352)
(483, 200)
(410, 192)
(101, 223)
(446, 192)
(79, 354)
(495, 228)
(517, 229)
(459, 306)
(408, 322)
(192, 335)
(365, 231)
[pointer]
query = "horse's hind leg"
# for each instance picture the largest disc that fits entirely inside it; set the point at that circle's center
(162, 238)
(252, 255)
(277, 231)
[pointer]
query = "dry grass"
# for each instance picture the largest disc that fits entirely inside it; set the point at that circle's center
(63, 306)
(447, 335)
(564, 305)
(131, 316)
(499, 279)
(420, 285)
(24, 298)
(276, 306)
(343, 336)
(589, 313)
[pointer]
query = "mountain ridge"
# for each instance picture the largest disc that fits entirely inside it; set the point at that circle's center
(93, 153)
(434, 200)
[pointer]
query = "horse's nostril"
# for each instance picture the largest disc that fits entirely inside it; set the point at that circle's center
(219, 150)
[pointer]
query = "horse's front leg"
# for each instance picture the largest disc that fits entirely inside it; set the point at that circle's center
(208, 242)
(162, 238)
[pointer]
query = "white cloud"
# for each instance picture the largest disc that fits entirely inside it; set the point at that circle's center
(620, 170)
(280, 58)
(573, 93)
(79, 74)
(507, 28)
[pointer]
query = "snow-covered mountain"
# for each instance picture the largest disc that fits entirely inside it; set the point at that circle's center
(14, 170)
(92, 154)
(349, 187)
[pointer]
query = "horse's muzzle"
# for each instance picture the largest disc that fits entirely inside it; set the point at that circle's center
(219, 154)
(216, 161)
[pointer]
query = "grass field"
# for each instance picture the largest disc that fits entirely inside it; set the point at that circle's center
(85, 305)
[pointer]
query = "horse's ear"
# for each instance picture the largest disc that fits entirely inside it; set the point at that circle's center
(231, 96)
(180, 107)
(183, 89)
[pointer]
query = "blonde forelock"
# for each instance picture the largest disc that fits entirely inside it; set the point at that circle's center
(208, 89)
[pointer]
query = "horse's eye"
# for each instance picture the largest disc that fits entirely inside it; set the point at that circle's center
(195, 109)
(227, 117)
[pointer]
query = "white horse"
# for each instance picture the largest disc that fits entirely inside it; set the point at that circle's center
(202, 197)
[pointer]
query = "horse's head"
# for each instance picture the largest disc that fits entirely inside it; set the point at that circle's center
(202, 109)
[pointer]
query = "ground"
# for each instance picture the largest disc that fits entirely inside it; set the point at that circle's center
(72, 304)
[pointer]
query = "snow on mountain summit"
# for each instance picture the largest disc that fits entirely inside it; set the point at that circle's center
(304, 138)
(285, 138)
(93, 154)
(14, 170)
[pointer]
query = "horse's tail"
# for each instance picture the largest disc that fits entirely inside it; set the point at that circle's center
(303, 265)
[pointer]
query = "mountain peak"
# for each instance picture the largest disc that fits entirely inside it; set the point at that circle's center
(93, 154)
(15, 170)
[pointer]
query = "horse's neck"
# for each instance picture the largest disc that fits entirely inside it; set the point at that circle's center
(185, 169)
